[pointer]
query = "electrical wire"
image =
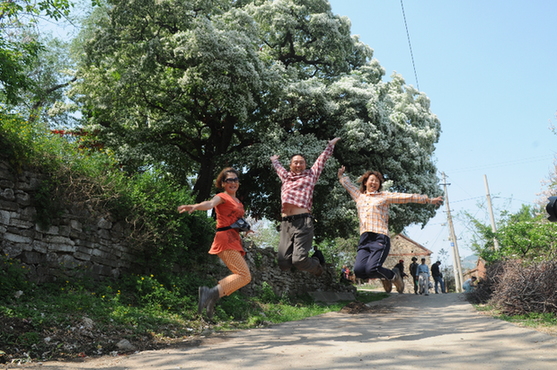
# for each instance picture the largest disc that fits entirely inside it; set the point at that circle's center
(410, 45)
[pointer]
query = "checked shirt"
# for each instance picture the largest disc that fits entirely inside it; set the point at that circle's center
(373, 208)
(297, 189)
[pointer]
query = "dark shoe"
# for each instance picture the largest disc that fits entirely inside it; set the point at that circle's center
(211, 300)
(207, 299)
(201, 303)
(319, 255)
(387, 285)
(397, 281)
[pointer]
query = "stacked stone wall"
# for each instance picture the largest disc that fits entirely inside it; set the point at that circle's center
(264, 269)
(84, 241)
(79, 241)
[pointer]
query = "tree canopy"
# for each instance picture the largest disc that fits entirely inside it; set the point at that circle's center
(19, 44)
(525, 235)
(194, 86)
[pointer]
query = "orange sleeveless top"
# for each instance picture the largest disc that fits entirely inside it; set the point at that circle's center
(227, 213)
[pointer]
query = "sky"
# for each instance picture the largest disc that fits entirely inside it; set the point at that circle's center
(489, 69)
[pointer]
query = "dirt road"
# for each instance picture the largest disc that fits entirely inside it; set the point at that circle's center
(401, 332)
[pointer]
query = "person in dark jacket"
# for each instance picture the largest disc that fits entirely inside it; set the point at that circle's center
(413, 272)
(437, 277)
(400, 267)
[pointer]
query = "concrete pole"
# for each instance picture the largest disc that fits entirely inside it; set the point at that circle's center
(490, 209)
(456, 255)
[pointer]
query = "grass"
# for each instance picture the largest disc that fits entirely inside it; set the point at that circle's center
(73, 319)
(544, 322)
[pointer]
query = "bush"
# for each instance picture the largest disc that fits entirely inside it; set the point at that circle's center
(524, 289)
(74, 173)
(486, 286)
(519, 288)
(149, 202)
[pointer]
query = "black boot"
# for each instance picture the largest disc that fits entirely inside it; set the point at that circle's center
(319, 255)
(201, 303)
(207, 299)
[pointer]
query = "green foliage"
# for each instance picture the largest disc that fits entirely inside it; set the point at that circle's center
(367, 297)
(17, 139)
(533, 319)
(149, 201)
(152, 293)
(143, 308)
(267, 294)
(13, 278)
(19, 44)
(332, 254)
(14, 59)
(235, 307)
(29, 339)
(525, 235)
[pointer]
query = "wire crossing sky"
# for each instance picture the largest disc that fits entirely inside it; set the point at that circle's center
(489, 71)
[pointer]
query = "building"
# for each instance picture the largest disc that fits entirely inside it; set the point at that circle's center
(404, 248)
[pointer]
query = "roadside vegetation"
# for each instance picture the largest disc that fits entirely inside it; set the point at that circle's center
(81, 317)
(520, 284)
(71, 319)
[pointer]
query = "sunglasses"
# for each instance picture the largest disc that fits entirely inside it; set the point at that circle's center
(235, 179)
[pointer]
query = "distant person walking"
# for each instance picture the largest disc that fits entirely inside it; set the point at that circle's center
(423, 278)
(296, 228)
(414, 273)
(437, 277)
(227, 244)
(373, 212)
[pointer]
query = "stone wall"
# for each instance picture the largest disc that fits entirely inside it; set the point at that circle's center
(264, 268)
(84, 241)
(78, 242)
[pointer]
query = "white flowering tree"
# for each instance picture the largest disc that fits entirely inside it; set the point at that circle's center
(200, 85)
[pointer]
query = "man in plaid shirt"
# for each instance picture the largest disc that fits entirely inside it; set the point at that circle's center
(373, 212)
(296, 229)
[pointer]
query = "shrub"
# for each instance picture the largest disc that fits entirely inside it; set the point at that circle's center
(486, 286)
(73, 173)
(519, 288)
(526, 288)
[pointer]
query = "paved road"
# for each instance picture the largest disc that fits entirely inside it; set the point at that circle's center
(401, 332)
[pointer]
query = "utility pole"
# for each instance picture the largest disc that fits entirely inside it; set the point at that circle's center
(490, 208)
(456, 256)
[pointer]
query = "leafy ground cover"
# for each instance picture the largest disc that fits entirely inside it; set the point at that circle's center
(69, 320)
(543, 322)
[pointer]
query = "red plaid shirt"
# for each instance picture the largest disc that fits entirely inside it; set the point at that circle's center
(297, 189)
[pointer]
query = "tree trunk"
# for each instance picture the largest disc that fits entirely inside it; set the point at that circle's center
(204, 183)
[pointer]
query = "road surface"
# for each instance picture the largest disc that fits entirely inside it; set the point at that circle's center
(404, 331)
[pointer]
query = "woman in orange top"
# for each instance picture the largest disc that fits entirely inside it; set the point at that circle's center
(227, 243)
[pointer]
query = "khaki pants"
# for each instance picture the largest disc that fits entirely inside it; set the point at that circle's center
(296, 239)
(423, 282)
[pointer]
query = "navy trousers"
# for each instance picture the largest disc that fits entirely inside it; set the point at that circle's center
(373, 250)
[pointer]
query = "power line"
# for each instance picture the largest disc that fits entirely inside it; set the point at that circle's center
(410, 45)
